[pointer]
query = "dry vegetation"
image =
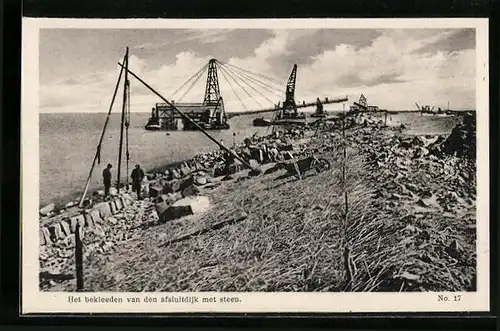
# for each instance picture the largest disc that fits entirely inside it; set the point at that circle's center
(299, 236)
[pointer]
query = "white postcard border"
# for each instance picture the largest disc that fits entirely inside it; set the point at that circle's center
(35, 301)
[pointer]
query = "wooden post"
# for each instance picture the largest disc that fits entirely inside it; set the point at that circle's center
(344, 145)
(122, 121)
(346, 255)
(98, 152)
(79, 258)
(385, 120)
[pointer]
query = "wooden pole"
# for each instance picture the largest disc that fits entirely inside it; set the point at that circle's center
(98, 151)
(189, 119)
(79, 258)
(344, 144)
(120, 150)
(127, 124)
(347, 264)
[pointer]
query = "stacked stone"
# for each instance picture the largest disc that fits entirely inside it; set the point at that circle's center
(88, 219)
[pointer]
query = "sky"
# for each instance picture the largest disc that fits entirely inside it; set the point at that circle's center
(393, 68)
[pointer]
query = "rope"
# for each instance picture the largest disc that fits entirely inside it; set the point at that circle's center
(257, 74)
(269, 88)
(232, 88)
(222, 68)
(127, 124)
(97, 157)
(190, 78)
(272, 79)
(248, 84)
(191, 86)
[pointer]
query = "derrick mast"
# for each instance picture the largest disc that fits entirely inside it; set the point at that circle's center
(289, 106)
(213, 102)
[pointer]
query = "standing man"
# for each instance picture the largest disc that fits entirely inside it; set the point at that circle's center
(137, 176)
(106, 175)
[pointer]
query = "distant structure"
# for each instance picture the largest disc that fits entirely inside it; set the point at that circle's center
(209, 114)
(362, 105)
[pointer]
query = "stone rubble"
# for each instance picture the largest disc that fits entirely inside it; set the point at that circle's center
(178, 191)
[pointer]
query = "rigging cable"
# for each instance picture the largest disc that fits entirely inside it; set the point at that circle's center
(274, 80)
(253, 88)
(186, 82)
(127, 124)
(271, 79)
(269, 88)
(232, 88)
(243, 88)
(191, 86)
(97, 157)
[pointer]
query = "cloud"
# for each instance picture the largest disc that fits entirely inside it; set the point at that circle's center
(395, 69)
(451, 42)
(207, 36)
(259, 60)
(391, 74)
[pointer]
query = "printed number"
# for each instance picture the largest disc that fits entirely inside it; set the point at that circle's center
(455, 298)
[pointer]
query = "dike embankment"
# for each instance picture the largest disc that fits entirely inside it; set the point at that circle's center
(408, 224)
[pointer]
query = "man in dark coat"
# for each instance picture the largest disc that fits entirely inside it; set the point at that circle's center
(137, 177)
(106, 176)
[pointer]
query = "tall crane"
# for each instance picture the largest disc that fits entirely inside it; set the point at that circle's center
(289, 105)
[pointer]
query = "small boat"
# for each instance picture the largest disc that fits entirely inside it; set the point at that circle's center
(260, 121)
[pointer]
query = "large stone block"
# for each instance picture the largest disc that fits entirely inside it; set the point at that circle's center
(89, 222)
(113, 191)
(46, 235)
(190, 191)
(47, 209)
(65, 227)
(175, 212)
(201, 180)
(56, 232)
(155, 190)
(185, 207)
(104, 209)
(161, 207)
(119, 204)
(96, 216)
(125, 201)
(169, 198)
(175, 174)
(112, 207)
(185, 170)
(41, 237)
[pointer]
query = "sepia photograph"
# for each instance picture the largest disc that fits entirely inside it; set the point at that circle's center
(248, 159)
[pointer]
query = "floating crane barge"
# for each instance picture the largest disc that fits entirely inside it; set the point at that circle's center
(288, 114)
(209, 114)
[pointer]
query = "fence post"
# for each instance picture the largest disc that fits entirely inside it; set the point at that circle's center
(79, 258)
(347, 253)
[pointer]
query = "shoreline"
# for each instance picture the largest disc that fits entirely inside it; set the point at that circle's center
(76, 195)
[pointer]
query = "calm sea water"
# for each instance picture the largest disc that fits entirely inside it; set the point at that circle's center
(68, 143)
